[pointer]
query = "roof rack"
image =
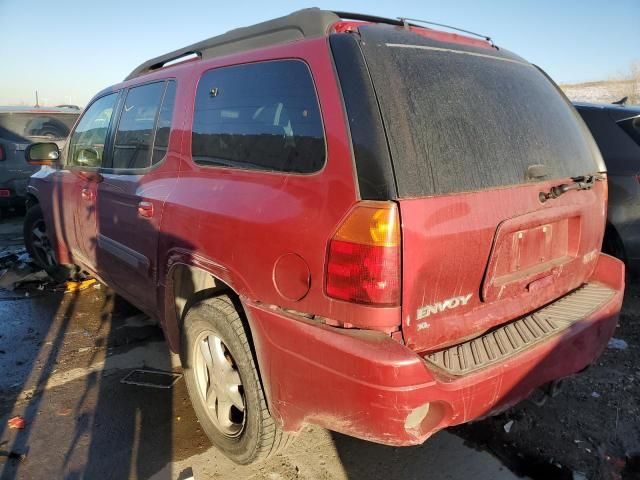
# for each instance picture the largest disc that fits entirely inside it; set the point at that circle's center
(405, 21)
(307, 23)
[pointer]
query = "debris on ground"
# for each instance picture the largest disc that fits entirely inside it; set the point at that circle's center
(17, 268)
(72, 286)
(617, 344)
(11, 278)
(186, 474)
(151, 378)
(508, 425)
(17, 422)
(16, 456)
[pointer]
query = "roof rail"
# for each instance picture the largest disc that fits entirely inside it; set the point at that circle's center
(370, 18)
(307, 23)
(485, 37)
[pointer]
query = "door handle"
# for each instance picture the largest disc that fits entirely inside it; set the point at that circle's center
(145, 209)
(87, 195)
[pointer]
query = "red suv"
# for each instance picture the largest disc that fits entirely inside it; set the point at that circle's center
(355, 222)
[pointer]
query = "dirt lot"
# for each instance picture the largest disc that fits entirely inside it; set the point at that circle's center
(63, 358)
(592, 426)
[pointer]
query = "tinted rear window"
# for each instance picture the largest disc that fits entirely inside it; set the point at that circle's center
(466, 118)
(36, 125)
(632, 127)
(621, 153)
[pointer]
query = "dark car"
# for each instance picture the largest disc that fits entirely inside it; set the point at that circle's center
(19, 127)
(616, 129)
(342, 220)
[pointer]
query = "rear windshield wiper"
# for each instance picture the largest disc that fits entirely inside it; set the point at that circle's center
(583, 182)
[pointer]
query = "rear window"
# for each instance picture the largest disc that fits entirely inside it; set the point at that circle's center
(461, 118)
(50, 126)
(615, 140)
(632, 127)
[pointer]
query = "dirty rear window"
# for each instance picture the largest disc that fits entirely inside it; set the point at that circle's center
(464, 118)
(36, 125)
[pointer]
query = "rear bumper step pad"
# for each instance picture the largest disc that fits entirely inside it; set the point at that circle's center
(518, 335)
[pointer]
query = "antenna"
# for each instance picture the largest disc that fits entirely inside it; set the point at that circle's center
(405, 21)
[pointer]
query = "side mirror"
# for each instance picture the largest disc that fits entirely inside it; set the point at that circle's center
(42, 154)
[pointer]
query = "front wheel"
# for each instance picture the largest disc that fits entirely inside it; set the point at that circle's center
(224, 385)
(36, 239)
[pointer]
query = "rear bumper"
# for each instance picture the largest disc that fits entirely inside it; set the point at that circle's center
(369, 386)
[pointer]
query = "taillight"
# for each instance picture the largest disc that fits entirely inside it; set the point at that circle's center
(363, 264)
(1, 153)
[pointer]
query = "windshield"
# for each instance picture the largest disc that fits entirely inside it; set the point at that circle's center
(53, 126)
(461, 118)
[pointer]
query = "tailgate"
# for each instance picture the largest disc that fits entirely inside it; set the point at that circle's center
(476, 260)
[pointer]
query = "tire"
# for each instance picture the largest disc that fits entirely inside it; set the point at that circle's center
(34, 220)
(612, 245)
(38, 247)
(247, 435)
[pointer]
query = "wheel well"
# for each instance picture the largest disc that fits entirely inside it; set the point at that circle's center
(191, 285)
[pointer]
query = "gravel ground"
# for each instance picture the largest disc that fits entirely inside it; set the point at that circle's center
(592, 427)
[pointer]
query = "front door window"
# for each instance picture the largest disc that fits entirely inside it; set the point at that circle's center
(86, 146)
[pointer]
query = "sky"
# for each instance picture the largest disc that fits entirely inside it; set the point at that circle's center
(69, 50)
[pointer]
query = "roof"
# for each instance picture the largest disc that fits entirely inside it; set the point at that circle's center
(307, 23)
(23, 109)
(302, 24)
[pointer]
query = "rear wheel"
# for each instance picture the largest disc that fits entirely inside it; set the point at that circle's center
(224, 385)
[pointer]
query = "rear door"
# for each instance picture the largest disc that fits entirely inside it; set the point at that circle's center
(476, 134)
(133, 190)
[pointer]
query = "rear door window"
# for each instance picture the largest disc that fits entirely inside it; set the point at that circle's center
(261, 116)
(133, 140)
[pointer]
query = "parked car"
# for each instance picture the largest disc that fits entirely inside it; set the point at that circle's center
(342, 220)
(616, 129)
(19, 127)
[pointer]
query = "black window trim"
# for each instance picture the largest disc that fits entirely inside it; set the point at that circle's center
(112, 133)
(258, 170)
